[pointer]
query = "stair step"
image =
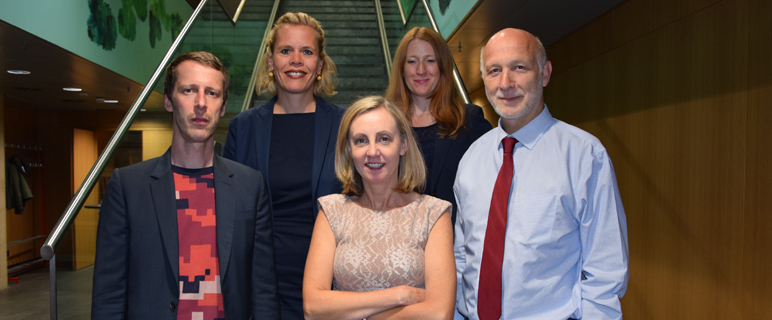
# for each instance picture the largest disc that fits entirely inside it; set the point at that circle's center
(354, 50)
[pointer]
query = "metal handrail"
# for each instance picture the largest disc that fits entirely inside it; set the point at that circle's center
(402, 12)
(253, 79)
(47, 252)
(456, 76)
(384, 38)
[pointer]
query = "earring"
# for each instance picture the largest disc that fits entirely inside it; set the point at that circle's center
(319, 77)
(270, 74)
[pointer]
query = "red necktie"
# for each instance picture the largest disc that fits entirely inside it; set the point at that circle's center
(489, 289)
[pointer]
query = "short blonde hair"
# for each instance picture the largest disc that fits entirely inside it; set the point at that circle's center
(266, 83)
(412, 171)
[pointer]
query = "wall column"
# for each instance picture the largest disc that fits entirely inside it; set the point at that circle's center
(3, 227)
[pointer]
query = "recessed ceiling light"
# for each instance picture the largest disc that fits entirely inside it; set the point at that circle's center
(143, 110)
(72, 89)
(111, 101)
(18, 72)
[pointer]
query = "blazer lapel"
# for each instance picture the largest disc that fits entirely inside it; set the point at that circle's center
(164, 202)
(263, 138)
(322, 127)
(441, 148)
(224, 211)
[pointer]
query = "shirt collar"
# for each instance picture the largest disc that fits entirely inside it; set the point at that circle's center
(529, 134)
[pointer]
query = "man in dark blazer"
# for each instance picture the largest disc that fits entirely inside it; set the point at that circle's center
(187, 234)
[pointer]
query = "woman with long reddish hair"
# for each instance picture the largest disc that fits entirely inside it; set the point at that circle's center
(422, 87)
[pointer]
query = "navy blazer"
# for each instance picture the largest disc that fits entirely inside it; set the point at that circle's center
(448, 153)
(136, 273)
(249, 142)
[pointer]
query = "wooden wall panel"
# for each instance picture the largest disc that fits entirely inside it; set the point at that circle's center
(22, 141)
(3, 227)
(155, 143)
(84, 228)
(756, 280)
(669, 100)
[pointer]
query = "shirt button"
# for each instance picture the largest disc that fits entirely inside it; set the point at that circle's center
(172, 306)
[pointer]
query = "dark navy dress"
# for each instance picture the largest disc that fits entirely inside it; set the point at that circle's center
(290, 163)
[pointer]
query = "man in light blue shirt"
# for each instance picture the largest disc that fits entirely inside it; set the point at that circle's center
(565, 249)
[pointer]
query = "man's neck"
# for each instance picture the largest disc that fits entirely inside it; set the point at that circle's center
(192, 155)
(511, 126)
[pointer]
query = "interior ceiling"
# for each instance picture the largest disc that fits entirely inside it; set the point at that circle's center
(53, 68)
(550, 20)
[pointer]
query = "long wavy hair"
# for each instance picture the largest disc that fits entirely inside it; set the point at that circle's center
(446, 106)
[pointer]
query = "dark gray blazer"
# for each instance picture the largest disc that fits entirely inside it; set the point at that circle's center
(249, 142)
(136, 273)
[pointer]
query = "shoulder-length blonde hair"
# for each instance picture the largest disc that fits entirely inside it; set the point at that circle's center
(266, 83)
(412, 172)
(446, 105)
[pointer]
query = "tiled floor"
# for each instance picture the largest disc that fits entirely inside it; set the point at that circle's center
(29, 299)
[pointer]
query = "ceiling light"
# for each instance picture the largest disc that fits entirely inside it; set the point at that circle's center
(143, 110)
(18, 72)
(110, 101)
(72, 89)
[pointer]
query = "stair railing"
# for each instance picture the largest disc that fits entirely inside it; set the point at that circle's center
(47, 252)
(456, 76)
(251, 89)
(384, 38)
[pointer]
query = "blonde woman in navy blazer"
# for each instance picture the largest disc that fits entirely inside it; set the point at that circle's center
(291, 140)
(422, 86)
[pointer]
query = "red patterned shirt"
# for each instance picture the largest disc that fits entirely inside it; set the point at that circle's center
(200, 292)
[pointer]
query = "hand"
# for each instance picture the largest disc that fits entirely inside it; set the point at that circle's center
(407, 295)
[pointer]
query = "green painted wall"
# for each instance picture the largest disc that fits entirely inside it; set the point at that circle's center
(449, 13)
(121, 39)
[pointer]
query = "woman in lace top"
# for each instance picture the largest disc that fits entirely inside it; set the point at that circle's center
(386, 249)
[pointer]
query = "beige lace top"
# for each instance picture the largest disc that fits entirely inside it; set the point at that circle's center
(380, 249)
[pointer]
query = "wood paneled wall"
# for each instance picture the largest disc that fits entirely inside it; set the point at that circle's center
(155, 143)
(84, 228)
(3, 228)
(22, 141)
(679, 92)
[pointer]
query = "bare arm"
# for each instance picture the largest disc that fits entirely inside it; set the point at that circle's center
(320, 302)
(440, 278)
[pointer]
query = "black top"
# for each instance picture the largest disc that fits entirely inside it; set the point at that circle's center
(448, 152)
(426, 136)
(290, 163)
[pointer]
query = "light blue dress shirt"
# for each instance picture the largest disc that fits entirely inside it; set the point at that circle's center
(566, 252)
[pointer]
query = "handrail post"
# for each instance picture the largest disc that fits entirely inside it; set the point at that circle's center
(47, 250)
(456, 75)
(384, 37)
(52, 286)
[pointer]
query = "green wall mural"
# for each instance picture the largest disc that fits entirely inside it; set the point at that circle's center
(449, 13)
(119, 35)
(102, 24)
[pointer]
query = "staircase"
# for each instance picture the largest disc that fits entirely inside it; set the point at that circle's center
(351, 30)
(353, 43)
(393, 21)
